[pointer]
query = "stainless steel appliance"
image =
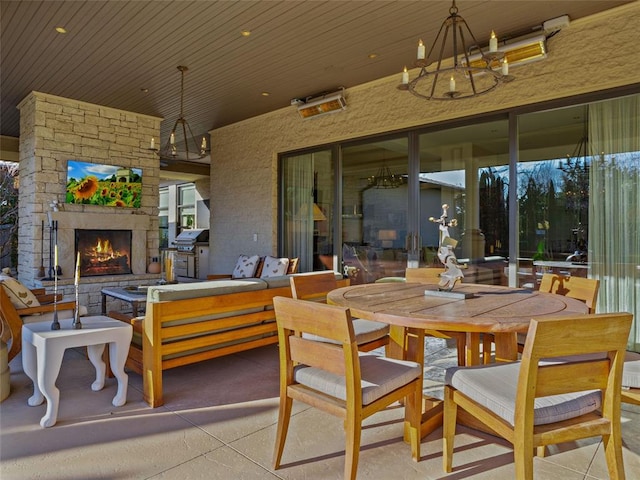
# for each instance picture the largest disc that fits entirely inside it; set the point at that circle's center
(192, 254)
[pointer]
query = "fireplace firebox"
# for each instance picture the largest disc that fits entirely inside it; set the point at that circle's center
(104, 252)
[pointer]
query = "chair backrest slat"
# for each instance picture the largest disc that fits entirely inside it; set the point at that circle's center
(315, 286)
(580, 376)
(314, 318)
(423, 275)
(585, 289)
(327, 356)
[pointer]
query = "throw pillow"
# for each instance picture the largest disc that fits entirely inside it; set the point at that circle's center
(245, 266)
(274, 267)
(19, 295)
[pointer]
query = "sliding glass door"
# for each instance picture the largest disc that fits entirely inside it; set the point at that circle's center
(467, 168)
(374, 209)
(307, 205)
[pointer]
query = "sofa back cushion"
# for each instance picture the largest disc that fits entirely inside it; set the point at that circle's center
(274, 267)
(182, 291)
(246, 266)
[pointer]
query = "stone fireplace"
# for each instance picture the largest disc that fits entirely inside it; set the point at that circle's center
(103, 252)
(54, 130)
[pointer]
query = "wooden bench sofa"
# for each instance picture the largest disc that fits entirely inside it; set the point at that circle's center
(193, 322)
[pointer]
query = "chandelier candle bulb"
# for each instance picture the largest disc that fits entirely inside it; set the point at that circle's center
(172, 138)
(405, 76)
(152, 145)
(421, 50)
(452, 84)
(505, 67)
(204, 144)
(493, 42)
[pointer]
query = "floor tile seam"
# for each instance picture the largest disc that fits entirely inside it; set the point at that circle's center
(586, 476)
(255, 462)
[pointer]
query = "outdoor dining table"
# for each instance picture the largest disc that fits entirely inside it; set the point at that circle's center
(501, 311)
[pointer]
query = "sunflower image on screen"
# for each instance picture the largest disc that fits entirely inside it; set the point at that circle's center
(453, 273)
(109, 185)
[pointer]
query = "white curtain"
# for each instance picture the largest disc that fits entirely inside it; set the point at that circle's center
(298, 201)
(614, 207)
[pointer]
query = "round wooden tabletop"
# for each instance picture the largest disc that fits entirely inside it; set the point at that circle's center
(491, 308)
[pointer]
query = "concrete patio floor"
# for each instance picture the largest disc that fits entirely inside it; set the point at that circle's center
(219, 422)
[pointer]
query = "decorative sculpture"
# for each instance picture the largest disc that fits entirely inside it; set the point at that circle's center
(453, 272)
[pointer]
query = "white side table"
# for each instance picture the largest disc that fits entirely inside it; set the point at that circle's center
(43, 349)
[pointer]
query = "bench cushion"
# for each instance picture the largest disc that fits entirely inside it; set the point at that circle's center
(181, 291)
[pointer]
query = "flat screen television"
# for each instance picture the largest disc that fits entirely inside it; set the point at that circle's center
(98, 184)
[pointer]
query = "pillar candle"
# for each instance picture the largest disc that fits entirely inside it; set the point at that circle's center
(421, 50)
(493, 42)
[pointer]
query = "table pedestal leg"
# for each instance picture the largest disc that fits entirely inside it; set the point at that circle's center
(95, 356)
(48, 362)
(118, 352)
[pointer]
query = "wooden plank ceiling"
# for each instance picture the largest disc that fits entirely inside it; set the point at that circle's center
(115, 50)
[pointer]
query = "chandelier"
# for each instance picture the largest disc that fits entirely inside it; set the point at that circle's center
(467, 77)
(385, 179)
(182, 144)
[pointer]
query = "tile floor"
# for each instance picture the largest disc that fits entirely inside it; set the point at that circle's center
(219, 420)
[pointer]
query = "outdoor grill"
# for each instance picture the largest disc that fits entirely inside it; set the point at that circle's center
(192, 253)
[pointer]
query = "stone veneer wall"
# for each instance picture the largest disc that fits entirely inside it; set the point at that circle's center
(594, 53)
(54, 130)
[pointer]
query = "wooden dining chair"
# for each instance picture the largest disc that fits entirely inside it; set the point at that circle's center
(583, 289)
(582, 396)
(315, 287)
(336, 378)
(431, 275)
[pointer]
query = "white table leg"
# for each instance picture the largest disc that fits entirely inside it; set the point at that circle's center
(49, 361)
(30, 367)
(95, 356)
(118, 352)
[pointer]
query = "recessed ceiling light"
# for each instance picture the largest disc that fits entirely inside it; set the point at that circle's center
(265, 94)
(144, 90)
(61, 30)
(372, 56)
(245, 33)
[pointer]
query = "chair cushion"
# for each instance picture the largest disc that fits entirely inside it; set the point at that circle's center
(631, 371)
(380, 376)
(494, 386)
(274, 267)
(245, 266)
(20, 295)
(365, 331)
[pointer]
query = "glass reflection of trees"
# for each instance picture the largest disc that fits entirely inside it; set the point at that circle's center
(553, 199)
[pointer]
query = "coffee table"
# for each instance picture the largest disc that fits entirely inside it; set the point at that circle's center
(43, 349)
(133, 295)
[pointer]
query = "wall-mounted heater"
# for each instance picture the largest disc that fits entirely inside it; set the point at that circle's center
(517, 53)
(329, 103)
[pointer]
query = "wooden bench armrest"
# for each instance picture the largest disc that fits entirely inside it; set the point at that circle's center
(47, 298)
(136, 322)
(45, 308)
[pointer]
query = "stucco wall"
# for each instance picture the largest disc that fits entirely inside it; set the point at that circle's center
(595, 53)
